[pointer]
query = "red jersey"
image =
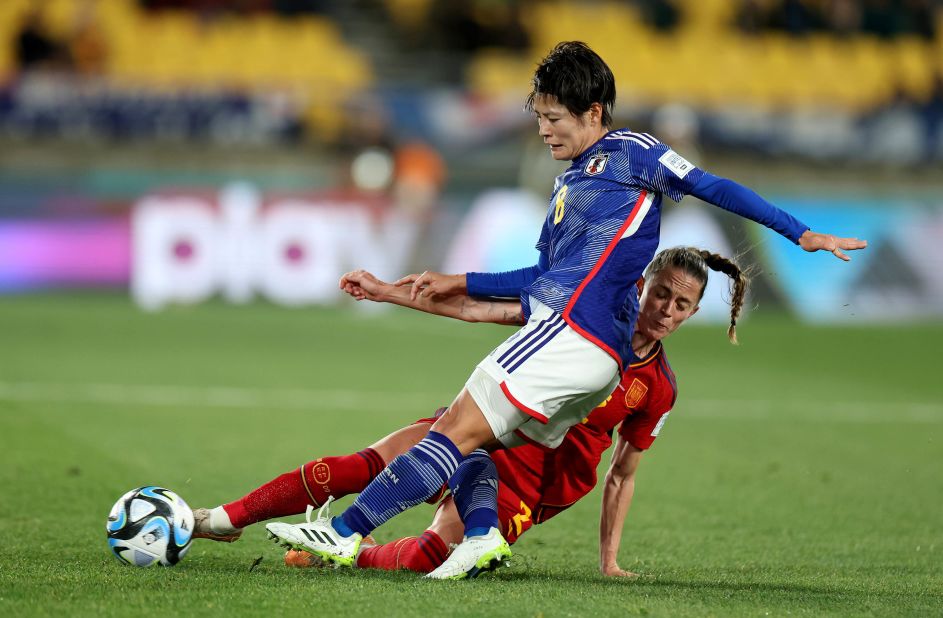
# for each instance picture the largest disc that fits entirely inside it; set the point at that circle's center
(537, 483)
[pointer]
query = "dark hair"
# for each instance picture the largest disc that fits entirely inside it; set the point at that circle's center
(695, 262)
(577, 77)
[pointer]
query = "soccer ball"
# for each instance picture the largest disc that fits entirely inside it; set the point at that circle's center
(148, 525)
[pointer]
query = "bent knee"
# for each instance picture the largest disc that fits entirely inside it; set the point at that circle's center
(464, 424)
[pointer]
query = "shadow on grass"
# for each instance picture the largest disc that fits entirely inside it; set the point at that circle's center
(838, 591)
(528, 575)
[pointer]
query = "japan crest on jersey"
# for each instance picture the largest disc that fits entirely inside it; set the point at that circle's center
(597, 163)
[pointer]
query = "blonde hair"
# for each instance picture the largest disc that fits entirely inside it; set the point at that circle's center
(696, 262)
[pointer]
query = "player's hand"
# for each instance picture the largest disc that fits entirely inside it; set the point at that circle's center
(813, 241)
(362, 285)
(614, 570)
(433, 284)
(407, 280)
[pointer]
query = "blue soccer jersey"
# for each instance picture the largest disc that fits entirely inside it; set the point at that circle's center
(602, 230)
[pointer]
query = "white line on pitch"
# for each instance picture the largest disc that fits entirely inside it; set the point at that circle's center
(814, 410)
(204, 396)
(318, 399)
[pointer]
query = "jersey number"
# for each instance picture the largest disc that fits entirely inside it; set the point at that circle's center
(521, 518)
(558, 211)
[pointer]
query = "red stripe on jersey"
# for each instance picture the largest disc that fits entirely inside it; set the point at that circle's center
(593, 339)
(520, 406)
(602, 259)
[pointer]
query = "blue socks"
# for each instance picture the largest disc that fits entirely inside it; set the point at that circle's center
(474, 488)
(407, 481)
(416, 475)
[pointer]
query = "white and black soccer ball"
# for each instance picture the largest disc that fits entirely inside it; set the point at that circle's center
(150, 525)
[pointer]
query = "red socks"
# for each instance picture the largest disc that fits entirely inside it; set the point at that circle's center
(420, 554)
(292, 492)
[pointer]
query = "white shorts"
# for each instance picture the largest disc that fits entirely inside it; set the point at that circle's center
(542, 380)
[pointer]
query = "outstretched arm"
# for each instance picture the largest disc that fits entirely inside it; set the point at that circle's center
(813, 241)
(740, 200)
(616, 499)
(364, 286)
(506, 284)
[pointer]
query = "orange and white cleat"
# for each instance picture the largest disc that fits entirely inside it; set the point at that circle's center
(299, 559)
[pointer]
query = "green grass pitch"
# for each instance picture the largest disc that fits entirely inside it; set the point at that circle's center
(800, 473)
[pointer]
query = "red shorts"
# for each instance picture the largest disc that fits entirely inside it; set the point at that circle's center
(514, 514)
(518, 491)
(522, 475)
(526, 474)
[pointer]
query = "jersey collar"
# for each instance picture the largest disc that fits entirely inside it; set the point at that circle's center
(594, 149)
(641, 362)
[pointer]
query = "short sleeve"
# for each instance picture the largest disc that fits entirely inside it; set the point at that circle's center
(641, 429)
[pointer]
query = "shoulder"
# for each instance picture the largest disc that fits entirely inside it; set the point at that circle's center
(667, 379)
(662, 358)
(622, 156)
(650, 385)
(627, 140)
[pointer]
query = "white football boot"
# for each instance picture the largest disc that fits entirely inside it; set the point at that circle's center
(318, 537)
(303, 560)
(474, 556)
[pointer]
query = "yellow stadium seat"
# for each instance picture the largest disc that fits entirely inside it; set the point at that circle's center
(496, 72)
(872, 69)
(325, 120)
(59, 16)
(316, 29)
(710, 16)
(914, 65)
(176, 48)
(12, 13)
(408, 14)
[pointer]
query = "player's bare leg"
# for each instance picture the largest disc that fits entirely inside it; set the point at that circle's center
(447, 524)
(465, 425)
(400, 441)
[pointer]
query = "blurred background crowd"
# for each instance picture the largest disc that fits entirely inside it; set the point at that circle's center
(213, 59)
(832, 107)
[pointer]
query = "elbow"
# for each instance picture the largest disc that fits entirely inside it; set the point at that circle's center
(619, 480)
(620, 477)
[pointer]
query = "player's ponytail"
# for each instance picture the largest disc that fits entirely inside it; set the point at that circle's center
(738, 287)
(696, 262)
